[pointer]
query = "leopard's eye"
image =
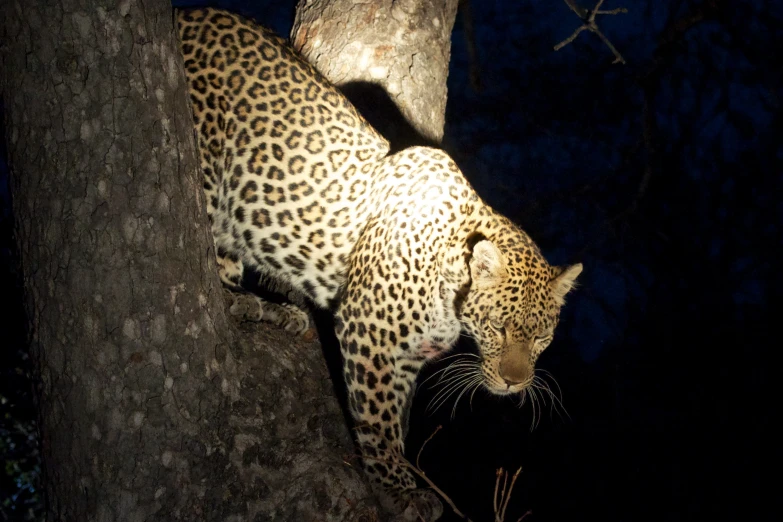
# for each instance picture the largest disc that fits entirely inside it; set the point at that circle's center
(497, 324)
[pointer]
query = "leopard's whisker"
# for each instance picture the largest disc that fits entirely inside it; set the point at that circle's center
(540, 399)
(539, 385)
(448, 387)
(461, 354)
(447, 382)
(557, 397)
(533, 405)
(475, 387)
(451, 367)
(546, 374)
(522, 397)
(444, 371)
(449, 376)
(449, 390)
(535, 401)
(476, 378)
(541, 404)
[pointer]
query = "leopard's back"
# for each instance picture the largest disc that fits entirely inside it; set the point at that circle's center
(287, 160)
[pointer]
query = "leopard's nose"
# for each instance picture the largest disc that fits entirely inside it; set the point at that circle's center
(512, 382)
(515, 370)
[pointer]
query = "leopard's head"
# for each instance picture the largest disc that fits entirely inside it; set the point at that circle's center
(512, 307)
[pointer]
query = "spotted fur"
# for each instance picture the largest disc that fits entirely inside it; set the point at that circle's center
(400, 247)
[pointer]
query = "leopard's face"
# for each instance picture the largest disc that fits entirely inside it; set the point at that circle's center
(511, 311)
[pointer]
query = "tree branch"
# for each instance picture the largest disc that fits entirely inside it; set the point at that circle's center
(589, 23)
(470, 42)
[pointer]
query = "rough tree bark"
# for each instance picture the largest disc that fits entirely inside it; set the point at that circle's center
(153, 404)
(145, 414)
(125, 315)
(391, 57)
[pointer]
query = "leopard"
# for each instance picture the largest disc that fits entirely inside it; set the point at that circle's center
(397, 246)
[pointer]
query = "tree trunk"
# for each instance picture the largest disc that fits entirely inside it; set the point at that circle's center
(153, 405)
(144, 412)
(391, 58)
(125, 313)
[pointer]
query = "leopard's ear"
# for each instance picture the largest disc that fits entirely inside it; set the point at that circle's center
(564, 281)
(487, 265)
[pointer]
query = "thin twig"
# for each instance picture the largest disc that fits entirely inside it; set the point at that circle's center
(619, 10)
(618, 58)
(503, 494)
(495, 496)
(418, 455)
(500, 507)
(508, 495)
(570, 38)
(500, 503)
(528, 512)
(595, 10)
(400, 460)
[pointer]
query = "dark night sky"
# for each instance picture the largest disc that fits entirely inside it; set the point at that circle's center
(663, 177)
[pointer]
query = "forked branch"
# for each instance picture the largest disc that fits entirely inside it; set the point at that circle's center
(500, 502)
(588, 23)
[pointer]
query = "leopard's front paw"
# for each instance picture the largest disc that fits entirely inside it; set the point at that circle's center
(250, 307)
(413, 505)
(295, 320)
(423, 504)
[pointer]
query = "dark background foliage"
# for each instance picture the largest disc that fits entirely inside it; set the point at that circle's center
(663, 177)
